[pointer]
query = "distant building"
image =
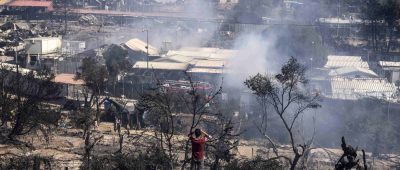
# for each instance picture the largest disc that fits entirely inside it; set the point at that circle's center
(391, 70)
(144, 71)
(138, 50)
(353, 72)
(42, 5)
(70, 86)
(72, 47)
(350, 78)
(72, 63)
(342, 21)
(205, 64)
(356, 88)
(42, 51)
(336, 61)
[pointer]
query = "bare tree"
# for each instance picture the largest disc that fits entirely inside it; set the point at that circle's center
(84, 119)
(90, 142)
(95, 77)
(285, 93)
(224, 141)
(196, 104)
(7, 102)
(160, 104)
(30, 93)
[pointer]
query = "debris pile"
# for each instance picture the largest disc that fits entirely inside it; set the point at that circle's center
(88, 20)
(12, 36)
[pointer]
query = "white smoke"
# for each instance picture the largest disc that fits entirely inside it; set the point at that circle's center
(165, 1)
(256, 54)
(162, 33)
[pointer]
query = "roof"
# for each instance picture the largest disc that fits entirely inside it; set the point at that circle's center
(43, 38)
(345, 88)
(210, 63)
(203, 53)
(389, 64)
(206, 70)
(138, 45)
(202, 60)
(26, 3)
(335, 61)
(68, 79)
(343, 71)
(161, 65)
(340, 21)
(192, 54)
(175, 58)
(3, 2)
(22, 25)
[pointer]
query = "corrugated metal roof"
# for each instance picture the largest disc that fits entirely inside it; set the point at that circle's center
(345, 88)
(335, 61)
(210, 63)
(25, 3)
(206, 70)
(343, 71)
(43, 38)
(389, 64)
(340, 21)
(344, 58)
(203, 60)
(139, 45)
(161, 65)
(199, 49)
(203, 53)
(175, 58)
(192, 54)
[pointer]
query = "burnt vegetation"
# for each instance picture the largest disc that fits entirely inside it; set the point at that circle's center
(132, 106)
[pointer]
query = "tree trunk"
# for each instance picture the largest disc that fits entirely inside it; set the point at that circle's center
(138, 121)
(216, 163)
(36, 163)
(121, 141)
(187, 150)
(87, 150)
(17, 128)
(97, 109)
(295, 161)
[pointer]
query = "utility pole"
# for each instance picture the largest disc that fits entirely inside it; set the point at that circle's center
(338, 13)
(147, 47)
(65, 17)
(123, 85)
(16, 63)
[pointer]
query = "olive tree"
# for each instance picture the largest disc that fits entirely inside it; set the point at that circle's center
(286, 95)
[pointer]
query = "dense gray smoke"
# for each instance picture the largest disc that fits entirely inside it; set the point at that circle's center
(256, 54)
(265, 51)
(164, 34)
(165, 1)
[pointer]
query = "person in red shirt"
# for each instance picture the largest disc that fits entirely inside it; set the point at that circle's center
(198, 146)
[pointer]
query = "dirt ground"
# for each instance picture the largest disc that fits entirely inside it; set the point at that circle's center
(66, 148)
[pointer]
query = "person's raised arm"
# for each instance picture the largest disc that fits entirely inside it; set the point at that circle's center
(206, 134)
